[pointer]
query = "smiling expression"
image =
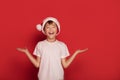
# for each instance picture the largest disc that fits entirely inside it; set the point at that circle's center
(51, 30)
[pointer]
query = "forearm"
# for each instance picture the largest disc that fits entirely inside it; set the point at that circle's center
(68, 61)
(32, 59)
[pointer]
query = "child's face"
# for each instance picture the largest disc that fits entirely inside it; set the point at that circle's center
(51, 30)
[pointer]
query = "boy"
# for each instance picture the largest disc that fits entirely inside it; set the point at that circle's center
(51, 53)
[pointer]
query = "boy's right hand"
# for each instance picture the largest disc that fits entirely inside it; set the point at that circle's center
(25, 50)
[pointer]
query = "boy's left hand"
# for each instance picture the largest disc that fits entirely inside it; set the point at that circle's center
(81, 51)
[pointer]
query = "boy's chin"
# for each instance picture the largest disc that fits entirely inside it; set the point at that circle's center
(51, 36)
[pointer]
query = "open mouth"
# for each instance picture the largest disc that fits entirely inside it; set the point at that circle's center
(50, 33)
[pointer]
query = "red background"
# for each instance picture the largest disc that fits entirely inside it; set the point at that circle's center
(92, 24)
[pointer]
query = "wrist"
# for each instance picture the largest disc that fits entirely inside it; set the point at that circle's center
(26, 52)
(75, 53)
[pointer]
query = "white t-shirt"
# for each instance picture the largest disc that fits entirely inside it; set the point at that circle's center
(51, 54)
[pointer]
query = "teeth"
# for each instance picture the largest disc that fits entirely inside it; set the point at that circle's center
(51, 32)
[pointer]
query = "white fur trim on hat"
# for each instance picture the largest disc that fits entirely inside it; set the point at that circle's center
(41, 27)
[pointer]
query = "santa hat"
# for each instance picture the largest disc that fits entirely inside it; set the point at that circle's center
(41, 27)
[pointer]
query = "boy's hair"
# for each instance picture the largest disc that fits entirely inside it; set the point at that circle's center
(50, 22)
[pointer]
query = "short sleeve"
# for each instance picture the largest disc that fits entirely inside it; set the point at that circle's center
(37, 50)
(65, 52)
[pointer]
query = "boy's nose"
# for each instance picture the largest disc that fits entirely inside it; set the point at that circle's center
(50, 29)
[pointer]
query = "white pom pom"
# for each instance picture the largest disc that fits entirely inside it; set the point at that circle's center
(39, 27)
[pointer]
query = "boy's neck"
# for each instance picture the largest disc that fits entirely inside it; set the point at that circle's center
(51, 40)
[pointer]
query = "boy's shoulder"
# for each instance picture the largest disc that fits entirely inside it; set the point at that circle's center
(61, 43)
(41, 42)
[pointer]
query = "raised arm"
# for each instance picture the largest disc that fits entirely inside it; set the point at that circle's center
(67, 62)
(35, 61)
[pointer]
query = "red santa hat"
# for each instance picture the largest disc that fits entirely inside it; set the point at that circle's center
(41, 27)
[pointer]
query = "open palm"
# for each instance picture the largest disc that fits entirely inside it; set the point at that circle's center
(25, 50)
(81, 51)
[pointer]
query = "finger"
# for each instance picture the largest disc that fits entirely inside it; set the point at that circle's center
(19, 49)
(83, 50)
(86, 49)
